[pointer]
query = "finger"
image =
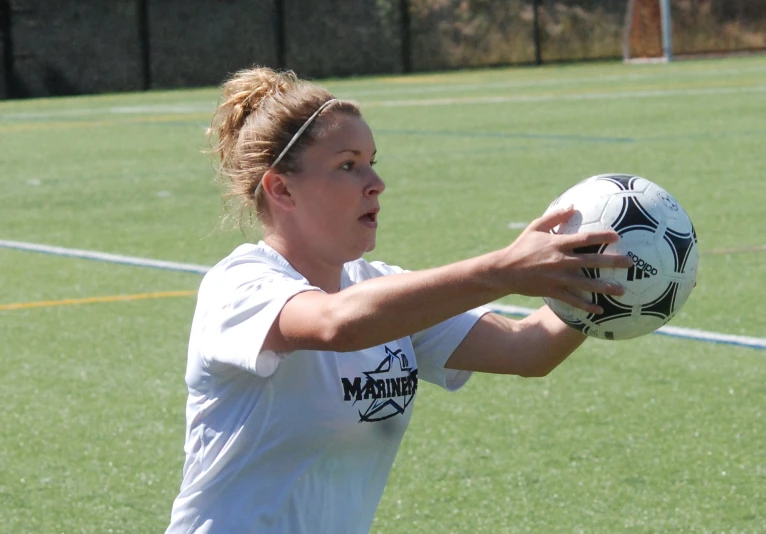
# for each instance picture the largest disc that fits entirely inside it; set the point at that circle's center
(604, 261)
(550, 220)
(578, 302)
(585, 239)
(592, 285)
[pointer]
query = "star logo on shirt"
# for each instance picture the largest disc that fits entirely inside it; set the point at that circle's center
(389, 388)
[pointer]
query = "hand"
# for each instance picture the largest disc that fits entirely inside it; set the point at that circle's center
(541, 264)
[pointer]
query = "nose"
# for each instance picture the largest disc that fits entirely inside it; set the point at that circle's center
(376, 186)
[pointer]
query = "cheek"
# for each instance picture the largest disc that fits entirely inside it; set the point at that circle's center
(332, 210)
(334, 201)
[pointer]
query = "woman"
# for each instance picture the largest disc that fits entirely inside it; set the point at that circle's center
(304, 359)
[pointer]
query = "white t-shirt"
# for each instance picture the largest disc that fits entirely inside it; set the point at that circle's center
(300, 442)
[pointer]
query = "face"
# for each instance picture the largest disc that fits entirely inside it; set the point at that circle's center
(336, 192)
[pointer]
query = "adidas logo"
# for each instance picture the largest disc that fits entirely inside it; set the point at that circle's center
(637, 274)
(640, 269)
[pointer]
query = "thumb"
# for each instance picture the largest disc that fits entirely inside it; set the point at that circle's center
(553, 218)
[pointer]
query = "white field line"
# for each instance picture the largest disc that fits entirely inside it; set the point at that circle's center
(606, 95)
(672, 331)
(185, 108)
(424, 87)
(104, 256)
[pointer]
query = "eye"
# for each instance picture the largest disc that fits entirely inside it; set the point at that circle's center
(347, 166)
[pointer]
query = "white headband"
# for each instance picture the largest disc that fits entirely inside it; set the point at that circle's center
(302, 129)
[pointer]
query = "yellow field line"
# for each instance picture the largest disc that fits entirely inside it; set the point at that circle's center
(90, 124)
(91, 300)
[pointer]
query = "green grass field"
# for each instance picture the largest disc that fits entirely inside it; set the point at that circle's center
(653, 435)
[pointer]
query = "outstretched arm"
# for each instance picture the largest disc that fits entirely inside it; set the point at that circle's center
(367, 314)
(533, 346)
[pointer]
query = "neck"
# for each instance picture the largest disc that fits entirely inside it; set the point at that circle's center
(320, 272)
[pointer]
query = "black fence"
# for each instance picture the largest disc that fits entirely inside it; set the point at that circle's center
(60, 47)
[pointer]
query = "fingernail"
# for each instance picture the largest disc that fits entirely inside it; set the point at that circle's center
(598, 310)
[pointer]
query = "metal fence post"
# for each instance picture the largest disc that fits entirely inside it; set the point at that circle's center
(667, 31)
(404, 16)
(144, 46)
(281, 33)
(536, 31)
(5, 35)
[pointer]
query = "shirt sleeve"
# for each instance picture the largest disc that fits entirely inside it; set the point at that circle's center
(247, 301)
(433, 346)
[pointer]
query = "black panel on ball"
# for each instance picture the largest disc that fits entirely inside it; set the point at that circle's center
(633, 217)
(612, 309)
(623, 181)
(663, 305)
(681, 245)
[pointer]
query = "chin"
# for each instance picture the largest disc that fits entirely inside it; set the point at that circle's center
(359, 247)
(359, 252)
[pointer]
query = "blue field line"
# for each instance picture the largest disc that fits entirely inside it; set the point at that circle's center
(670, 331)
(506, 135)
(702, 135)
(701, 335)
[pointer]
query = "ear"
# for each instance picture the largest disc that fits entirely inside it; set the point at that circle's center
(277, 190)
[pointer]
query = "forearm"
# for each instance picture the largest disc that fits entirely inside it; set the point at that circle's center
(391, 307)
(550, 341)
(531, 347)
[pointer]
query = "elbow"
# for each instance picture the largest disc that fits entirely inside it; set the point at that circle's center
(338, 333)
(535, 366)
(535, 372)
(339, 338)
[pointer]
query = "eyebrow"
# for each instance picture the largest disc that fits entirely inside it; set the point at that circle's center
(354, 152)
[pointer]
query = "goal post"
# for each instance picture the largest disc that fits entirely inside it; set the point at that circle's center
(648, 35)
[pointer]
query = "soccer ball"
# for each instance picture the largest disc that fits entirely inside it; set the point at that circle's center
(654, 231)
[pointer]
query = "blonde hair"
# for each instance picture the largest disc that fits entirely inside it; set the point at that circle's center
(259, 113)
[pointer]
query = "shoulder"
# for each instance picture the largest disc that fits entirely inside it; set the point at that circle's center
(362, 269)
(251, 263)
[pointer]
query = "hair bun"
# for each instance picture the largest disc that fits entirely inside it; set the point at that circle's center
(243, 94)
(248, 88)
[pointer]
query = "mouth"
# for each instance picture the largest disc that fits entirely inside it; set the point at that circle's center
(370, 218)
